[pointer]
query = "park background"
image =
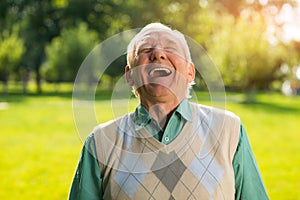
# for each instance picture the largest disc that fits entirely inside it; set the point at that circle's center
(254, 43)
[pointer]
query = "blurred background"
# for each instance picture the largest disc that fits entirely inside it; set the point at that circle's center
(254, 43)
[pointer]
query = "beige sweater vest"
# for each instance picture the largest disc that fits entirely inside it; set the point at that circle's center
(197, 164)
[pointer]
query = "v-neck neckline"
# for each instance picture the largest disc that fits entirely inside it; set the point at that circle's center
(177, 145)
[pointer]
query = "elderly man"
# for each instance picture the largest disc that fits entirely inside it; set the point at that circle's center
(168, 148)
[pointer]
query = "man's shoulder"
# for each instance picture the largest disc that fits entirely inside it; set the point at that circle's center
(210, 111)
(122, 123)
(222, 125)
(117, 132)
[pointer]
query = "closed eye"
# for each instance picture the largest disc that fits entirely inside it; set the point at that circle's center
(170, 49)
(145, 50)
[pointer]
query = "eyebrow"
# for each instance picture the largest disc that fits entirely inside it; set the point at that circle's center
(172, 43)
(166, 42)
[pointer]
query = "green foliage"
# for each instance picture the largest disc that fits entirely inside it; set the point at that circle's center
(39, 24)
(241, 50)
(11, 51)
(104, 16)
(232, 31)
(66, 53)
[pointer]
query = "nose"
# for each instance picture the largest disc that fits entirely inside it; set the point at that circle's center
(157, 54)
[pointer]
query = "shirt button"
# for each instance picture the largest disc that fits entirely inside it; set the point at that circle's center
(167, 139)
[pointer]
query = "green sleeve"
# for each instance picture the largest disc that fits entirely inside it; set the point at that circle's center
(87, 179)
(248, 181)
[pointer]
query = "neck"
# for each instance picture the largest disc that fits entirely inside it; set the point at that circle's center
(160, 111)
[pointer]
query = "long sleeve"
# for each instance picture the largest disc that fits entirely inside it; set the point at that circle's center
(248, 181)
(87, 180)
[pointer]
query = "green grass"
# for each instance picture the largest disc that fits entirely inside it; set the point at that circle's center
(40, 145)
(272, 125)
(39, 148)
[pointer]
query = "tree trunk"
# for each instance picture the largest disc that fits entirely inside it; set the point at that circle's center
(38, 80)
(5, 88)
(25, 81)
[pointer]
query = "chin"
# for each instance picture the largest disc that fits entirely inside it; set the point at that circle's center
(157, 90)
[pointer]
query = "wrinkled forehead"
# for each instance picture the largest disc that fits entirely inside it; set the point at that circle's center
(161, 37)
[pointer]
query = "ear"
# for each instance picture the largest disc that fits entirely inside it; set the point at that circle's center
(129, 78)
(191, 72)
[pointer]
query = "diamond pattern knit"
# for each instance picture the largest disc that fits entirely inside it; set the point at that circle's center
(190, 167)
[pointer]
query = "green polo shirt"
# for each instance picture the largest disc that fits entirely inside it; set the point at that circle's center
(87, 179)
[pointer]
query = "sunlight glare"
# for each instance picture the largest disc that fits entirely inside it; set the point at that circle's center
(203, 3)
(298, 73)
(289, 17)
(263, 2)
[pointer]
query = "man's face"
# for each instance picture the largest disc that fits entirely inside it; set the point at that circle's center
(161, 71)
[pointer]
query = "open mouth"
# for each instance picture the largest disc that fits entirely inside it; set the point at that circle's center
(159, 72)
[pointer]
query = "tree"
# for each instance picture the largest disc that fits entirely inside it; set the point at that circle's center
(241, 50)
(39, 21)
(107, 17)
(11, 51)
(210, 23)
(66, 52)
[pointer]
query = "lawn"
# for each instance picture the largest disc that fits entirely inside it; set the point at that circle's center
(40, 146)
(272, 125)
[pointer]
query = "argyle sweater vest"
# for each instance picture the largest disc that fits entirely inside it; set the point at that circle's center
(197, 164)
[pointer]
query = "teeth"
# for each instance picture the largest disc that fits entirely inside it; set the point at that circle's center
(159, 69)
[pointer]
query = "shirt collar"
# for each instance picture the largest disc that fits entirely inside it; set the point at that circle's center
(142, 117)
(185, 110)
